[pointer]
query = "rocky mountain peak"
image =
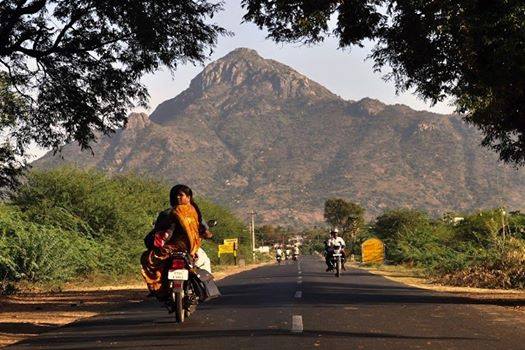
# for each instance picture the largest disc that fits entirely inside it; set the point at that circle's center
(245, 68)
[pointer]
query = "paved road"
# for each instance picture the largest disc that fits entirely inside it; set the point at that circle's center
(299, 306)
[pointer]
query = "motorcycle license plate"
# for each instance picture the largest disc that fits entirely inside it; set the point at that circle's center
(336, 254)
(178, 275)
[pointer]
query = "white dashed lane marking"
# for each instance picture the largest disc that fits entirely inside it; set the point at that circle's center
(298, 294)
(297, 323)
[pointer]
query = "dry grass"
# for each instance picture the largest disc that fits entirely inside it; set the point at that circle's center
(513, 298)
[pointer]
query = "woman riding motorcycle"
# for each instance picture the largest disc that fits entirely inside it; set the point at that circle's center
(177, 229)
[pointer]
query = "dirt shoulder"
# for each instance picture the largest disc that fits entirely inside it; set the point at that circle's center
(509, 298)
(30, 313)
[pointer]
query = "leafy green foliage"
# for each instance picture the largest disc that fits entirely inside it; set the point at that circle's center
(71, 69)
(347, 216)
(270, 234)
(67, 222)
(393, 225)
(476, 251)
(36, 252)
(473, 52)
(122, 207)
(229, 226)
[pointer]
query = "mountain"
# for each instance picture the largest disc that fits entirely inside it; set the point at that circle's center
(253, 133)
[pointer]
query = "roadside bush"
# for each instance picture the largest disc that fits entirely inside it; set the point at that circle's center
(41, 253)
(91, 202)
(482, 228)
(68, 222)
(498, 268)
(393, 225)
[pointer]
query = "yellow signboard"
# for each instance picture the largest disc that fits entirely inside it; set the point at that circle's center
(226, 249)
(373, 251)
(232, 241)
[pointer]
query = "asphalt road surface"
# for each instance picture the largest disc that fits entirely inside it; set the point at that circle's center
(300, 306)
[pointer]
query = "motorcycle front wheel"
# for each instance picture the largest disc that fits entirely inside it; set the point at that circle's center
(178, 298)
(338, 268)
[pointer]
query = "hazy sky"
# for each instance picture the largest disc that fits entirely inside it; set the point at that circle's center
(345, 73)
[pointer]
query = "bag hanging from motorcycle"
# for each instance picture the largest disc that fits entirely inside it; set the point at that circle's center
(204, 285)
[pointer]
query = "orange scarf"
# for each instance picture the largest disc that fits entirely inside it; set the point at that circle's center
(189, 219)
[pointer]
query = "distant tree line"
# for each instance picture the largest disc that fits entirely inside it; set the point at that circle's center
(483, 249)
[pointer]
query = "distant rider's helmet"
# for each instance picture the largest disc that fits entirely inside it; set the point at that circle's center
(334, 232)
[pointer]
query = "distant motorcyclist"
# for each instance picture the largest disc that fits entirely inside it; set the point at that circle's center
(278, 254)
(330, 243)
(295, 252)
(288, 254)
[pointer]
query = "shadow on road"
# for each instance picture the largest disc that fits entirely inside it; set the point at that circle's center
(323, 293)
(167, 336)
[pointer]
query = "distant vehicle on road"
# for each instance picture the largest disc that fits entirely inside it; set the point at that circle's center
(278, 255)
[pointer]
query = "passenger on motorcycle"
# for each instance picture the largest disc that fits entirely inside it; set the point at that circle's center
(177, 229)
(330, 243)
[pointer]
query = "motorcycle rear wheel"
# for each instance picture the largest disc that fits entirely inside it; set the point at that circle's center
(178, 298)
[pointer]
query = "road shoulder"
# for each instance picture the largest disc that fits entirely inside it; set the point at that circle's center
(508, 298)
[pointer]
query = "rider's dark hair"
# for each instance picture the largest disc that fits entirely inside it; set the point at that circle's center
(175, 190)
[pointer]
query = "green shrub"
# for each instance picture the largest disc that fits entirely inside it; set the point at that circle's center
(68, 222)
(40, 253)
(481, 228)
(92, 202)
(393, 225)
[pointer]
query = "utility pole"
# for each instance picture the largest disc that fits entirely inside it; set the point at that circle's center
(252, 229)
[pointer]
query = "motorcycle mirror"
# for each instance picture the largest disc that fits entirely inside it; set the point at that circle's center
(212, 223)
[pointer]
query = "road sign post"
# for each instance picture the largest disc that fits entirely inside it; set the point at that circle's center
(230, 246)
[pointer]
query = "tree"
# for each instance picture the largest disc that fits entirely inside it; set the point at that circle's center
(472, 51)
(70, 70)
(345, 215)
(394, 226)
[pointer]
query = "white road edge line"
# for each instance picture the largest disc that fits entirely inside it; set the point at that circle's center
(297, 324)
(298, 294)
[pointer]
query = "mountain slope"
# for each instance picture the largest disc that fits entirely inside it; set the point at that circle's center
(253, 133)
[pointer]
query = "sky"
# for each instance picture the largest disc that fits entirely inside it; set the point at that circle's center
(346, 73)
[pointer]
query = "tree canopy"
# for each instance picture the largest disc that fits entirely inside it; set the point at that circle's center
(470, 50)
(347, 216)
(70, 70)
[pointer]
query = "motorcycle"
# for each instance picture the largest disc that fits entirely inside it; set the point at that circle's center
(279, 259)
(188, 285)
(295, 256)
(288, 255)
(337, 259)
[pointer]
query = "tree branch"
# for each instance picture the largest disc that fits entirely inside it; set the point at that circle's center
(10, 18)
(11, 76)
